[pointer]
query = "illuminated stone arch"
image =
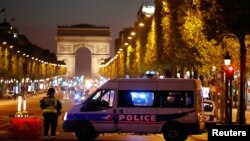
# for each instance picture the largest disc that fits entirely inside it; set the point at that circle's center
(70, 38)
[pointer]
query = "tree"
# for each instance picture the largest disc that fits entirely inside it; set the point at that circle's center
(235, 16)
(151, 55)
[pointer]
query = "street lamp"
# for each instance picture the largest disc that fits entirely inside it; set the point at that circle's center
(228, 97)
(227, 59)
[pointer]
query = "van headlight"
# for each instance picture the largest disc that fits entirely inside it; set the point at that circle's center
(65, 116)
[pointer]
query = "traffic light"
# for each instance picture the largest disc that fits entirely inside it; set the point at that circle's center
(230, 73)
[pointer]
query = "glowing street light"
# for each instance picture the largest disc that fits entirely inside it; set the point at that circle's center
(227, 59)
(228, 97)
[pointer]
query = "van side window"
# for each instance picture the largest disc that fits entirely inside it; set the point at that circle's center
(142, 98)
(135, 98)
(124, 99)
(101, 100)
(178, 99)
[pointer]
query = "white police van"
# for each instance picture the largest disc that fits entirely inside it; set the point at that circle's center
(169, 106)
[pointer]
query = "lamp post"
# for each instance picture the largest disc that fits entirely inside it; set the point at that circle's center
(227, 62)
(227, 59)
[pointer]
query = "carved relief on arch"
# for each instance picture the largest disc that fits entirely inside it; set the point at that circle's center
(65, 49)
(101, 49)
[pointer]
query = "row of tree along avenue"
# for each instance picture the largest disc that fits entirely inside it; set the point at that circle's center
(21, 60)
(186, 39)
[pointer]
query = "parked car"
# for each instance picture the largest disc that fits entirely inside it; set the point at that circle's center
(209, 111)
(9, 94)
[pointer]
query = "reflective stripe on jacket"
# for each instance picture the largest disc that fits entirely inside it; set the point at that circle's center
(51, 103)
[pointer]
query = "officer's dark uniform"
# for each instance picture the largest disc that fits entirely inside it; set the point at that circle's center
(51, 110)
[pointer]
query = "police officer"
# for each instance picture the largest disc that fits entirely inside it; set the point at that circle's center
(51, 110)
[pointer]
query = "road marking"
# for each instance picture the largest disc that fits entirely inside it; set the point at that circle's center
(4, 124)
(4, 131)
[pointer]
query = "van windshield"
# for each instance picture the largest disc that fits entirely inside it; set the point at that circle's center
(99, 100)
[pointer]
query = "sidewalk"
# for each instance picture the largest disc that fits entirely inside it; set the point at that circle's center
(247, 115)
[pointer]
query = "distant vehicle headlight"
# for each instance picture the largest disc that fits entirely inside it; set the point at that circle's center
(82, 98)
(77, 96)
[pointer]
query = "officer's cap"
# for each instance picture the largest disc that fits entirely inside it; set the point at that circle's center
(51, 91)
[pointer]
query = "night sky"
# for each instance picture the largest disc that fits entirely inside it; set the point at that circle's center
(38, 19)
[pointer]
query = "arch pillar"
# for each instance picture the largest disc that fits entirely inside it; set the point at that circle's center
(70, 61)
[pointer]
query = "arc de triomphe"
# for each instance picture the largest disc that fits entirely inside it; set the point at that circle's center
(70, 38)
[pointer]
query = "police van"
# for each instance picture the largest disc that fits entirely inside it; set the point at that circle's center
(169, 106)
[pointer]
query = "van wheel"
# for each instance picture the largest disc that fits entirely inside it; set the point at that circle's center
(84, 131)
(174, 133)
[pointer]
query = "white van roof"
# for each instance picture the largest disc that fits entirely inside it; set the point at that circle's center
(152, 84)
